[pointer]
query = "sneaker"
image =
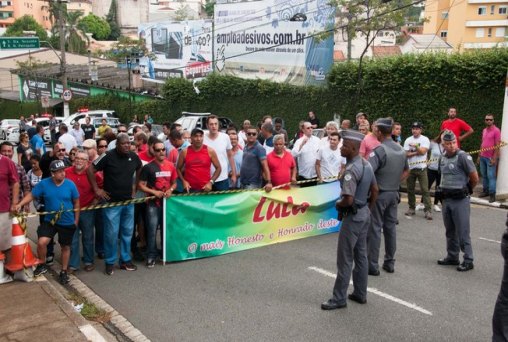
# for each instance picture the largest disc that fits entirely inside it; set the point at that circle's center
(63, 278)
(436, 208)
(420, 207)
(465, 266)
(428, 215)
(89, 267)
(110, 269)
(128, 266)
(492, 198)
(40, 270)
(410, 212)
(50, 259)
(150, 263)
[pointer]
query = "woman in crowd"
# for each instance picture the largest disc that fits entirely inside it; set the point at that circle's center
(24, 151)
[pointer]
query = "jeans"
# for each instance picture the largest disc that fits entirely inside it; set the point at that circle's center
(421, 176)
(153, 221)
(488, 175)
(118, 223)
(86, 227)
(99, 231)
(221, 186)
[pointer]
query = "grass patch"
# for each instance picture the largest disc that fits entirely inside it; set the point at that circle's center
(89, 310)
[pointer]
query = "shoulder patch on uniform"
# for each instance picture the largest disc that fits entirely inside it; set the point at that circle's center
(347, 177)
(469, 158)
(372, 154)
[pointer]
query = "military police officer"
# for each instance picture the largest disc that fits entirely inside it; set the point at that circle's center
(356, 183)
(389, 163)
(458, 178)
(500, 318)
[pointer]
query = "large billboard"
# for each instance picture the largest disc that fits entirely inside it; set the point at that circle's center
(178, 49)
(258, 40)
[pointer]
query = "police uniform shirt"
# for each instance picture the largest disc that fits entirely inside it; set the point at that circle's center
(455, 170)
(388, 179)
(357, 170)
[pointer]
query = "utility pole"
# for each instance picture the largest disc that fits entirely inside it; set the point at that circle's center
(61, 20)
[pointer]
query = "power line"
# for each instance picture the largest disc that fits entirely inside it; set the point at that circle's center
(439, 28)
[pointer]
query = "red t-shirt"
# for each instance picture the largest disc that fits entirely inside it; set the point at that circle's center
(457, 126)
(280, 167)
(197, 167)
(145, 157)
(86, 193)
(8, 176)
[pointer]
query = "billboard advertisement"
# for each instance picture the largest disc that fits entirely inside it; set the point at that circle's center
(178, 49)
(258, 40)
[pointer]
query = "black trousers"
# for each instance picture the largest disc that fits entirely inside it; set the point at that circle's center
(500, 318)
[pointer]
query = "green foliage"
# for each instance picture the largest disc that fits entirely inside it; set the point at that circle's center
(209, 8)
(14, 109)
(95, 25)
(112, 20)
(26, 23)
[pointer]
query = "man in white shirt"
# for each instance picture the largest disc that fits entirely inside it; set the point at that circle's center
(305, 152)
(416, 147)
(77, 133)
(330, 162)
(221, 143)
(66, 139)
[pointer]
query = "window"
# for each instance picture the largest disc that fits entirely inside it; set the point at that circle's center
(482, 10)
(492, 9)
(444, 15)
(379, 34)
(489, 32)
(444, 34)
(500, 31)
(480, 33)
(502, 10)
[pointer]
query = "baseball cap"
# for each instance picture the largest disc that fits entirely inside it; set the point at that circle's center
(56, 165)
(196, 131)
(417, 124)
(89, 143)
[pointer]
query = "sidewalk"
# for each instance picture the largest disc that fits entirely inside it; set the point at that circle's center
(38, 311)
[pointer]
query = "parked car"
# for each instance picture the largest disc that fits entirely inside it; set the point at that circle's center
(156, 130)
(189, 121)
(80, 116)
(112, 122)
(9, 130)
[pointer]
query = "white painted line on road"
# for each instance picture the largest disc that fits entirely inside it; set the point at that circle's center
(489, 240)
(376, 291)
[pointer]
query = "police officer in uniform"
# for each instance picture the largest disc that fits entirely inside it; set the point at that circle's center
(458, 178)
(389, 163)
(353, 207)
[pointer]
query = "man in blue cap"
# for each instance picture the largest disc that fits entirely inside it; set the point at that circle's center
(359, 192)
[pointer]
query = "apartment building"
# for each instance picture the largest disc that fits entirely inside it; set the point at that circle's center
(10, 10)
(468, 24)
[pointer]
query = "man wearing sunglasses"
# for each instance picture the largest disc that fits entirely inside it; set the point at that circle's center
(305, 152)
(157, 178)
(491, 136)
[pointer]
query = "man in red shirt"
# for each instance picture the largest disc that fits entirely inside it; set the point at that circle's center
(8, 180)
(281, 163)
(194, 164)
(491, 136)
(157, 178)
(457, 126)
(77, 174)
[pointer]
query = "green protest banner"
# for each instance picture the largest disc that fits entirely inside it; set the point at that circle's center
(209, 225)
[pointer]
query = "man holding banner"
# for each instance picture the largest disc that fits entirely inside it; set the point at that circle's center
(356, 184)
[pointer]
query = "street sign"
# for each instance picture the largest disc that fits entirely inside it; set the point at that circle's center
(12, 43)
(45, 101)
(67, 95)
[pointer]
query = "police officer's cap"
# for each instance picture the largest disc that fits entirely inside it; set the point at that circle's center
(348, 134)
(384, 122)
(449, 136)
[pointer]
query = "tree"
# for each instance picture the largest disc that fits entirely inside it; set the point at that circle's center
(365, 19)
(26, 23)
(112, 20)
(95, 25)
(182, 13)
(209, 8)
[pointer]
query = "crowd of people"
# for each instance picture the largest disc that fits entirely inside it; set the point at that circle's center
(87, 166)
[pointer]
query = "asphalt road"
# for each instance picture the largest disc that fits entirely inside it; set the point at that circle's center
(274, 293)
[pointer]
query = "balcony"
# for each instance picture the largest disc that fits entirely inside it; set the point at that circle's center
(486, 23)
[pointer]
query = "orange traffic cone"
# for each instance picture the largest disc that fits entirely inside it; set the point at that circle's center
(21, 253)
(4, 278)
